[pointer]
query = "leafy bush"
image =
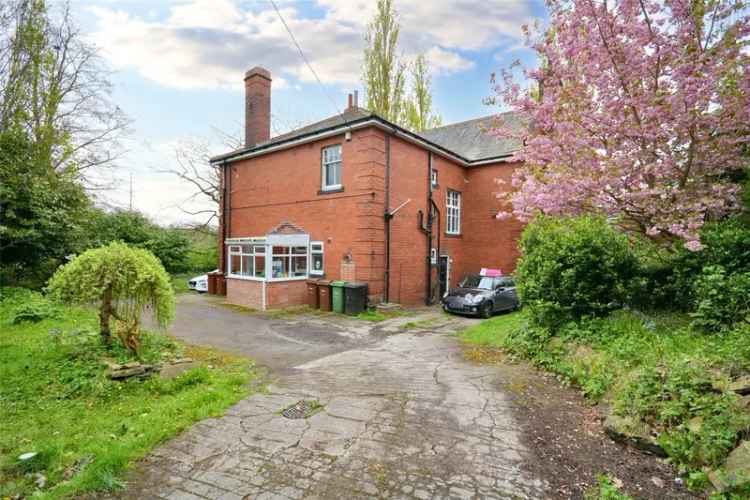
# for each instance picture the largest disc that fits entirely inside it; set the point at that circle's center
(169, 245)
(722, 299)
(42, 211)
(669, 282)
(23, 305)
(34, 312)
(573, 267)
(121, 281)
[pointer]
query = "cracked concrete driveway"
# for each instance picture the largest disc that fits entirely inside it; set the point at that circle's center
(404, 416)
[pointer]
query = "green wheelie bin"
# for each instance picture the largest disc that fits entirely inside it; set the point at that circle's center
(337, 296)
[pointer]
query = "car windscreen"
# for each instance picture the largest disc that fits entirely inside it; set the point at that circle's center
(476, 281)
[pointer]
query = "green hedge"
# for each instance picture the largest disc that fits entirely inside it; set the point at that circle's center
(574, 267)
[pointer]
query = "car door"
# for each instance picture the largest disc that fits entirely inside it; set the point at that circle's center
(505, 294)
(497, 295)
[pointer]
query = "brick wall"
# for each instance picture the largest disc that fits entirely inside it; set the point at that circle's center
(408, 244)
(281, 294)
(285, 186)
(248, 293)
(489, 242)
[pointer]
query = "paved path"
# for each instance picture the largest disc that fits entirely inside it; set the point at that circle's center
(403, 416)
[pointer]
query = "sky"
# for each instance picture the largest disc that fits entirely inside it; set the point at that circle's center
(178, 68)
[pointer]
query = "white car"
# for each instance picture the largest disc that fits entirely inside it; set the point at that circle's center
(200, 283)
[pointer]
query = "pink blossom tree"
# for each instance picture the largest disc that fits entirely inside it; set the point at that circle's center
(639, 110)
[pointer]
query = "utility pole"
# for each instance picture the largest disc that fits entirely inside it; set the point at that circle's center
(131, 191)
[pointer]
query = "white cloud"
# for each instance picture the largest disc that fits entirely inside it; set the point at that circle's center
(443, 61)
(210, 43)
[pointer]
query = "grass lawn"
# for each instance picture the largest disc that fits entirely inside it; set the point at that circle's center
(84, 428)
(651, 369)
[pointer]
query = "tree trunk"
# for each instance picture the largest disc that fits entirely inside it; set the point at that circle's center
(105, 311)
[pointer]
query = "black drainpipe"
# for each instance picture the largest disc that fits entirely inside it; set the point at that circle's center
(428, 230)
(387, 216)
(225, 202)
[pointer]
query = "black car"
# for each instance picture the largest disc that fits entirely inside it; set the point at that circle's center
(482, 296)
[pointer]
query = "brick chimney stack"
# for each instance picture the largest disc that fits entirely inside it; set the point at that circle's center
(257, 106)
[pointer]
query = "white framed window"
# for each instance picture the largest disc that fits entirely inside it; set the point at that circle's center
(316, 258)
(247, 261)
(288, 262)
(331, 168)
(433, 177)
(453, 212)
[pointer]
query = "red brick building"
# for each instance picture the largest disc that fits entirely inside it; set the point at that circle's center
(358, 198)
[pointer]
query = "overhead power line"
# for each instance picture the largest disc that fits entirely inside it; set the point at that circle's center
(304, 58)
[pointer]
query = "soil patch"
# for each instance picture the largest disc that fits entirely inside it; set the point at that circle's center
(567, 437)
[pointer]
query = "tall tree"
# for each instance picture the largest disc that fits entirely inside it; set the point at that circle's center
(643, 114)
(419, 113)
(384, 73)
(192, 165)
(56, 124)
(56, 88)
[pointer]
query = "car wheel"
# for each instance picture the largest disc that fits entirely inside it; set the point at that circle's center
(485, 310)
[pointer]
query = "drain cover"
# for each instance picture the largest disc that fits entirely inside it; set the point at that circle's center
(301, 409)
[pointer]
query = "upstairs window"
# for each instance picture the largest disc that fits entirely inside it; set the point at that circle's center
(453, 213)
(433, 177)
(331, 168)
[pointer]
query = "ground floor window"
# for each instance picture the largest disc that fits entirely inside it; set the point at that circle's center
(289, 262)
(283, 258)
(247, 261)
(316, 258)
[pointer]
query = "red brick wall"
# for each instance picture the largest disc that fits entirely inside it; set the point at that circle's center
(453, 177)
(408, 181)
(484, 241)
(488, 241)
(286, 293)
(248, 293)
(285, 186)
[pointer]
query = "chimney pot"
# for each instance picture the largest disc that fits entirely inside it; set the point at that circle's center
(257, 106)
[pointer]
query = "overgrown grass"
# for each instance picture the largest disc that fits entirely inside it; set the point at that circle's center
(85, 428)
(652, 368)
(377, 316)
(180, 282)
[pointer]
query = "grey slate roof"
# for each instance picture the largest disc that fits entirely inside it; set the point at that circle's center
(472, 139)
(348, 116)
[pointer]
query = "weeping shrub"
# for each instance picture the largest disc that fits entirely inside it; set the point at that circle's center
(120, 281)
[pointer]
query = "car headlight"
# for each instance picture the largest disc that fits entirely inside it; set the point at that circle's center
(472, 299)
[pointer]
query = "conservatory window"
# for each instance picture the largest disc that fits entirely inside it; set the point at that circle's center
(247, 261)
(289, 262)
